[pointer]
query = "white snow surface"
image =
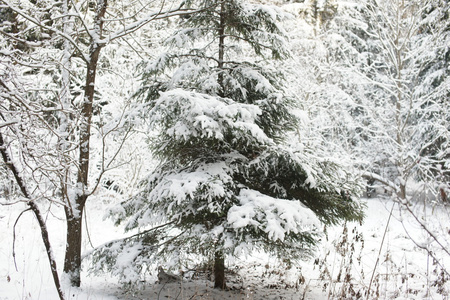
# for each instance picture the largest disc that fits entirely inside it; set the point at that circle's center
(404, 271)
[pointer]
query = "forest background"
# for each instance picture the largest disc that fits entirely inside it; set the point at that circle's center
(368, 79)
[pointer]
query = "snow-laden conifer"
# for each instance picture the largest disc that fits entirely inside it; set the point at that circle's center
(228, 182)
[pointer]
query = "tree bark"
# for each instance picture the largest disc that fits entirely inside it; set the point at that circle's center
(443, 195)
(219, 260)
(48, 248)
(72, 260)
(402, 193)
(219, 270)
(74, 210)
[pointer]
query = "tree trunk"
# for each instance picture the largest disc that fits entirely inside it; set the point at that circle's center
(72, 260)
(219, 270)
(402, 193)
(443, 195)
(74, 212)
(219, 260)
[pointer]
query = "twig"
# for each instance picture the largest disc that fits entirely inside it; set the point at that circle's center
(387, 183)
(379, 251)
(87, 230)
(305, 290)
(181, 287)
(424, 227)
(8, 123)
(11, 203)
(124, 239)
(430, 253)
(161, 289)
(195, 295)
(14, 237)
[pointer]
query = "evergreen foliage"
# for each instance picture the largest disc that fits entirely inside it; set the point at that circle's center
(228, 183)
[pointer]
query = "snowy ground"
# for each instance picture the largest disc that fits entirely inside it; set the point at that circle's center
(342, 268)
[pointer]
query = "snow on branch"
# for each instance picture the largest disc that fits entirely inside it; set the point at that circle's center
(206, 116)
(8, 123)
(276, 217)
(211, 178)
(384, 181)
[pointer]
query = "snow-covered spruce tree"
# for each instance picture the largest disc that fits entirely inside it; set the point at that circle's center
(227, 182)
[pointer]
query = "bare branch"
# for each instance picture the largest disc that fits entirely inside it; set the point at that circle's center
(14, 238)
(427, 230)
(421, 246)
(37, 213)
(9, 123)
(151, 17)
(384, 181)
(49, 28)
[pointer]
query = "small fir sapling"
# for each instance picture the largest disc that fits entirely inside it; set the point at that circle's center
(228, 182)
